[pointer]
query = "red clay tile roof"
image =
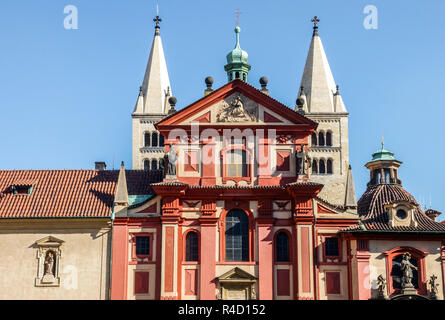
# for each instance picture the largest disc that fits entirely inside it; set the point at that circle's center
(373, 216)
(67, 193)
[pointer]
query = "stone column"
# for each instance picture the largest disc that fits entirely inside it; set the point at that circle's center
(208, 258)
(363, 270)
(119, 272)
(265, 258)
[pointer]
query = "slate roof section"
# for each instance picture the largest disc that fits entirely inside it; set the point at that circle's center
(373, 216)
(68, 193)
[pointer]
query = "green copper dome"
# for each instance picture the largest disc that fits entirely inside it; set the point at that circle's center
(383, 155)
(237, 66)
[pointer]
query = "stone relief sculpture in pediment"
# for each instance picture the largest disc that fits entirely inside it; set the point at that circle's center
(236, 108)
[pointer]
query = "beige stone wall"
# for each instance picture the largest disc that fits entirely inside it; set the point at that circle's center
(335, 184)
(378, 261)
(84, 261)
(141, 125)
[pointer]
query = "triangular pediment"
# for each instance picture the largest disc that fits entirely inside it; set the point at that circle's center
(49, 241)
(236, 274)
(237, 103)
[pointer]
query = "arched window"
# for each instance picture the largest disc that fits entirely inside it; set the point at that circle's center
(237, 163)
(147, 139)
(161, 140)
(244, 77)
(146, 165)
(154, 139)
(314, 166)
(321, 166)
(282, 247)
(387, 175)
(377, 176)
(237, 236)
(321, 138)
(329, 166)
(191, 247)
(154, 164)
(329, 139)
(314, 139)
(237, 75)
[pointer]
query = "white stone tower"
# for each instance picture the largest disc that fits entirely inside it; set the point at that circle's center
(329, 148)
(152, 105)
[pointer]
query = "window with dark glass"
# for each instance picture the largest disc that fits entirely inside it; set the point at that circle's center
(314, 166)
(401, 214)
(329, 166)
(154, 164)
(161, 140)
(321, 139)
(329, 139)
(146, 165)
(142, 245)
(314, 139)
(331, 247)
(282, 247)
(387, 175)
(154, 138)
(377, 176)
(321, 166)
(147, 139)
(237, 236)
(397, 272)
(191, 247)
(237, 163)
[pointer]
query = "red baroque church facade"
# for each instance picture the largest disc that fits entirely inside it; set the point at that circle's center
(219, 228)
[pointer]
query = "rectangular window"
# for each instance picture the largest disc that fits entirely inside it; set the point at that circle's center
(331, 247)
(237, 163)
(141, 282)
(142, 246)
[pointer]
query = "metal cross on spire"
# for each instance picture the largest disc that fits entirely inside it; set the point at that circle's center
(237, 13)
(157, 20)
(315, 20)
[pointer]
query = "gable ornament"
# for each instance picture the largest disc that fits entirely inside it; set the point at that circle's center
(236, 110)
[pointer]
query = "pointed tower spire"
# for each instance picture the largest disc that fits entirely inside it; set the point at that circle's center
(317, 80)
(121, 195)
(351, 200)
(156, 84)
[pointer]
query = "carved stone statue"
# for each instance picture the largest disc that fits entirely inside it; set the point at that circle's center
(433, 287)
(407, 268)
(49, 264)
(171, 159)
(302, 161)
(381, 285)
(253, 295)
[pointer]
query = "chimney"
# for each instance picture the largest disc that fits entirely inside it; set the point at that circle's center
(100, 166)
(432, 214)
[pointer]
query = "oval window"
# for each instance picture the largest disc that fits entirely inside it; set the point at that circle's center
(401, 214)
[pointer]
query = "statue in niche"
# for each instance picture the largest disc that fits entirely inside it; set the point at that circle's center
(49, 264)
(407, 268)
(171, 158)
(302, 161)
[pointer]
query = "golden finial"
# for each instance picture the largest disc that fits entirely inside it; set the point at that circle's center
(383, 141)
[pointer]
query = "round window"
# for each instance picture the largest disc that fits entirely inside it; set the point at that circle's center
(401, 214)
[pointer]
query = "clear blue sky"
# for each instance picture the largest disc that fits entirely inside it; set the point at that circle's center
(66, 95)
